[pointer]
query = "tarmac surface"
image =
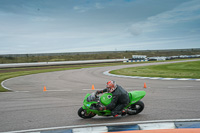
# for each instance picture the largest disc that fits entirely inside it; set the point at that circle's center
(28, 107)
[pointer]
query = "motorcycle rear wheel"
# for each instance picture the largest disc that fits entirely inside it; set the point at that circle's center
(136, 108)
(82, 113)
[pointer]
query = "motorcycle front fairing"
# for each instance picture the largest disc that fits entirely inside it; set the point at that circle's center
(87, 105)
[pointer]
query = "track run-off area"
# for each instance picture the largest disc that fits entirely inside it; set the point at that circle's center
(29, 107)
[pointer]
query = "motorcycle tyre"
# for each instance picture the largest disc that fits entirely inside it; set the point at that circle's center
(138, 110)
(81, 114)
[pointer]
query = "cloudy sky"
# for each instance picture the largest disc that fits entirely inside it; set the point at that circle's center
(46, 26)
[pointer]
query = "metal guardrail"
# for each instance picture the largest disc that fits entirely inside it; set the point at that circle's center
(11, 65)
(159, 58)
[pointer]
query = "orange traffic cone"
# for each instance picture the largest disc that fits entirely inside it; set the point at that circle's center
(93, 87)
(45, 89)
(145, 86)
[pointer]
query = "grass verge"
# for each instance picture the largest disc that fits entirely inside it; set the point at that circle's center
(176, 70)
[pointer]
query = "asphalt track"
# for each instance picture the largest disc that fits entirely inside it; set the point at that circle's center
(28, 107)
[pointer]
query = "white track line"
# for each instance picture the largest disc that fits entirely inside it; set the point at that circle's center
(22, 91)
(58, 90)
(180, 86)
(90, 89)
(2, 84)
(157, 78)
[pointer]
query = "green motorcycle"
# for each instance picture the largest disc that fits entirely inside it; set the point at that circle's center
(92, 102)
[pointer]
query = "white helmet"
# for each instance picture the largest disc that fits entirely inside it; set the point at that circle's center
(111, 85)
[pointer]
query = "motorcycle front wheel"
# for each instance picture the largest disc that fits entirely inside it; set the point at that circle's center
(136, 108)
(83, 113)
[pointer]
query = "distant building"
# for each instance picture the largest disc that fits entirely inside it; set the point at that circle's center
(139, 57)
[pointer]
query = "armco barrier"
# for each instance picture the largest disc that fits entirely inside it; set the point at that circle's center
(143, 126)
(11, 65)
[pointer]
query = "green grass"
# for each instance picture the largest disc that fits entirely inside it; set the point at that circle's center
(176, 70)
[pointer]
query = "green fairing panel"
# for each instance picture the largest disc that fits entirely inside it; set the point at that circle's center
(136, 95)
(106, 98)
(85, 99)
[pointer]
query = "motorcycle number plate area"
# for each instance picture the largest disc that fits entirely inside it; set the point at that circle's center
(106, 98)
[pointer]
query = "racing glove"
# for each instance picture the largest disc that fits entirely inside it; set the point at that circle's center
(98, 92)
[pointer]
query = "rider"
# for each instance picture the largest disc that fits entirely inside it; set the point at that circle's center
(120, 98)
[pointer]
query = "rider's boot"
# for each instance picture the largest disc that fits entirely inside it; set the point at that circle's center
(124, 112)
(115, 115)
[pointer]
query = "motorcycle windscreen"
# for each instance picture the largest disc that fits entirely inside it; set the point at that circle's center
(106, 99)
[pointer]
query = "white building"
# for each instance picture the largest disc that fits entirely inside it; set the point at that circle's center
(139, 57)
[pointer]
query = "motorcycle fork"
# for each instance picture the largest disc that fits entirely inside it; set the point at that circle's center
(87, 113)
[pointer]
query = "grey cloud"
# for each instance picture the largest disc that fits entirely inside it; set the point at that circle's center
(89, 25)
